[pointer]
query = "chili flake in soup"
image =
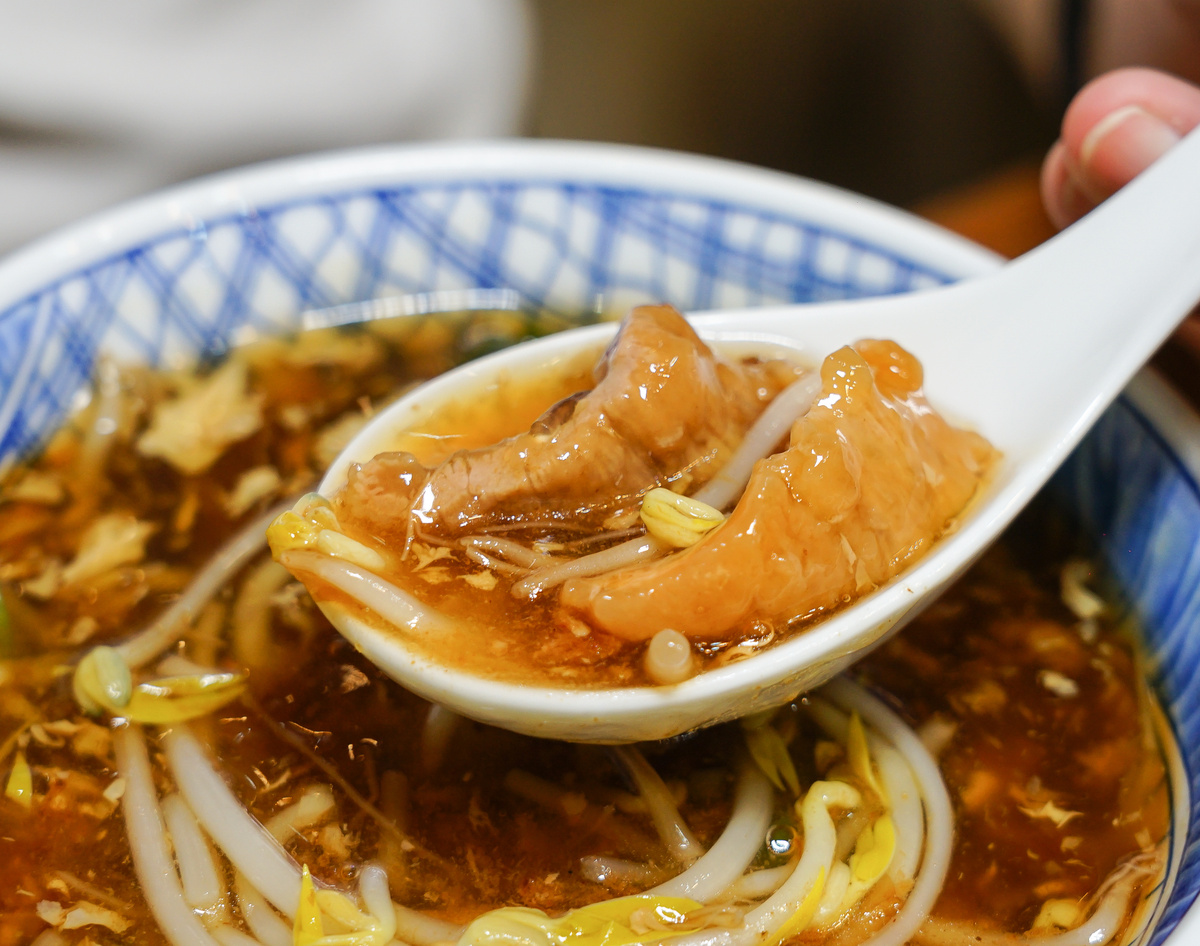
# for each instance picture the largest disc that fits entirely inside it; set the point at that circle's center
(235, 772)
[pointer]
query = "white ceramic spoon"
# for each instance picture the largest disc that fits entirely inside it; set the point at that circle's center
(1029, 356)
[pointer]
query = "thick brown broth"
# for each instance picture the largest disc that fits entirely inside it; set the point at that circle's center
(1052, 761)
(857, 485)
(1036, 708)
(497, 634)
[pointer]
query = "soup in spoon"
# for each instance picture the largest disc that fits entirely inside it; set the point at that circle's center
(673, 511)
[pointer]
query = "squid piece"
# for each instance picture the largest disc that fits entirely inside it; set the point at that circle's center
(871, 477)
(665, 411)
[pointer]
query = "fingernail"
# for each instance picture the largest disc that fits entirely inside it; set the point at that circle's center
(1124, 143)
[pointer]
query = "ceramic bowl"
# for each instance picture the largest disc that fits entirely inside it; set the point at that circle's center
(570, 227)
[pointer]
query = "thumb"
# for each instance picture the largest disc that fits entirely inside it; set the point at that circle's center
(1115, 128)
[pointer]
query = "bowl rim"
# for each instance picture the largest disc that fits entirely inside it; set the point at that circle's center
(191, 207)
(1177, 423)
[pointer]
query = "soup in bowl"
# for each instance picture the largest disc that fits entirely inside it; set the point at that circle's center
(191, 754)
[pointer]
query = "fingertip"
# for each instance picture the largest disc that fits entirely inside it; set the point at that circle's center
(1174, 101)
(1062, 197)
(1121, 123)
(1122, 145)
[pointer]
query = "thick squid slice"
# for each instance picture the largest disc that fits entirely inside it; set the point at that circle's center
(871, 478)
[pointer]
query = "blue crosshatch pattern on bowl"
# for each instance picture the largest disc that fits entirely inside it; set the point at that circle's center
(565, 246)
(1141, 506)
(561, 246)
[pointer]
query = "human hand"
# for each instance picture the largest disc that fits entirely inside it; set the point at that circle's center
(1113, 130)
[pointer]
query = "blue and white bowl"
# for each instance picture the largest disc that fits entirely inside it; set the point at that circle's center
(575, 227)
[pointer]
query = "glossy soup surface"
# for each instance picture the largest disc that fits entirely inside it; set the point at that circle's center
(563, 522)
(1044, 734)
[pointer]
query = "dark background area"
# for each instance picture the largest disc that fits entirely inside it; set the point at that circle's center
(898, 99)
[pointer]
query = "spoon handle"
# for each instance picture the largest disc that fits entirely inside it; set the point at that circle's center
(1112, 287)
(1032, 353)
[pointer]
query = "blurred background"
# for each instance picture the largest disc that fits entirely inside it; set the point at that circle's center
(908, 101)
(917, 103)
(898, 100)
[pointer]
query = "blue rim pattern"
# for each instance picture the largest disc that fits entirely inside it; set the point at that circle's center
(561, 245)
(1141, 506)
(565, 245)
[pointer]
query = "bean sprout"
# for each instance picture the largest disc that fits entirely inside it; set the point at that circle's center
(634, 551)
(202, 885)
(733, 851)
(263, 921)
(508, 549)
(820, 837)
(764, 434)
(243, 839)
(939, 814)
(257, 855)
(669, 658)
(759, 884)
(228, 936)
(152, 861)
(396, 607)
(907, 813)
(671, 827)
(166, 629)
(436, 735)
(309, 809)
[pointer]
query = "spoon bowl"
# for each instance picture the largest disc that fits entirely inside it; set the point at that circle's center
(1029, 356)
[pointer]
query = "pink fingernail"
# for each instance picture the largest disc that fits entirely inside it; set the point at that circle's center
(1125, 142)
